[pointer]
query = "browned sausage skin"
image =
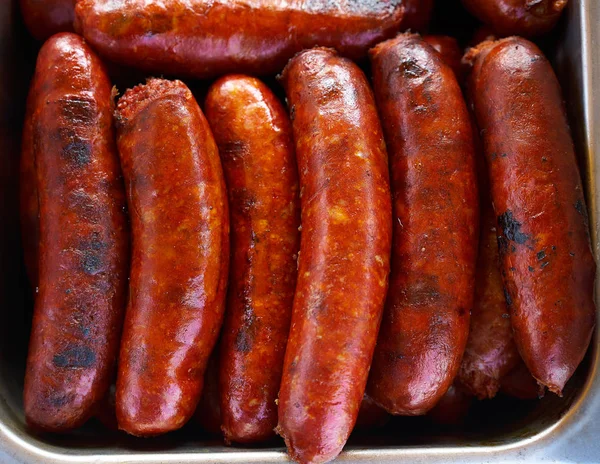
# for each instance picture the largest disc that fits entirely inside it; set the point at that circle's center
(547, 265)
(180, 237)
(344, 252)
(429, 137)
(519, 17)
(450, 51)
(207, 38)
(254, 136)
(83, 245)
(44, 18)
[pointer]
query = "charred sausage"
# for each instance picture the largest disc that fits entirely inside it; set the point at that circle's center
(48, 17)
(207, 38)
(83, 244)
(429, 137)
(547, 265)
(517, 17)
(180, 238)
(254, 136)
(344, 252)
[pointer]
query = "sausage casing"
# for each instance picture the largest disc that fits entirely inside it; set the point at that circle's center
(547, 265)
(48, 17)
(180, 257)
(344, 252)
(429, 138)
(517, 17)
(450, 51)
(207, 38)
(254, 136)
(84, 237)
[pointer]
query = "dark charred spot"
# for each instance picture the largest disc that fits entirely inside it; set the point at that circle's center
(243, 342)
(541, 255)
(502, 245)
(512, 269)
(91, 263)
(580, 207)
(507, 297)
(411, 69)
(513, 248)
(79, 112)
(503, 155)
(78, 152)
(425, 292)
(68, 291)
(544, 264)
(247, 331)
(59, 399)
(512, 228)
(245, 200)
(571, 254)
(234, 149)
(553, 248)
(92, 253)
(77, 356)
(530, 269)
(544, 159)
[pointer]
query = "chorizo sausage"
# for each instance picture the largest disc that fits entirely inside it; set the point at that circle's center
(84, 237)
(517, 17)
(344, 252)
(254, 136)
(208, 412)
(208, 38)
(417, 14)
(543, 240)
(180, 257)
(453, 408)
(429, 137)
(48, 17)
(451, 54)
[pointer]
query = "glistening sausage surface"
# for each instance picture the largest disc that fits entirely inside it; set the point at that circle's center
(83, 245)
(180, 236)
(429, 137)
(207, 38)
(344, 252)
(519, 17)
(254, 136)
(48, 17)
(547, 265)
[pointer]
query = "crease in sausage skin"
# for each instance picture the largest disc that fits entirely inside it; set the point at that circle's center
(254, 136)
(426, 320)
(180, 237)
(344, 252)
(83, 236)
(543, 238)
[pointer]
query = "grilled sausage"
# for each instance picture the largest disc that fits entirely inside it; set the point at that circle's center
(83, 245)
(429, 137)
(254, 136)
(180, 237)
(517, 17)
(344, 252)
(547, 264)
(417, 14)
(451, 54)
(207, 38)
(44, 18)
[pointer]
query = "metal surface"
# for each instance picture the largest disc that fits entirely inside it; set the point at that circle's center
(551, 430)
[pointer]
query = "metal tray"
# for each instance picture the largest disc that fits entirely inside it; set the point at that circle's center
(554, 429)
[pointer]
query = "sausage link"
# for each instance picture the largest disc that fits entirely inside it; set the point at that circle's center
(84, 238)
(254, 136)
(451, 54)
(517, 17)
(47, 17)
(547, 265)
(519, 384)
(208, 38)
(417, 14)
(426, 320)
(208, 412)
(453, 407)
(344, 252)
(180, 237)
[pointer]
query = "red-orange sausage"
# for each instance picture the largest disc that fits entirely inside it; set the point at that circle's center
(429, 137)
(207, 38)
(451, 54)
(83, 244)
(344, 252)
(547, 265)
(417, 14)
(180, 232)
(517, 17)
(254, 136)
(44, 18)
